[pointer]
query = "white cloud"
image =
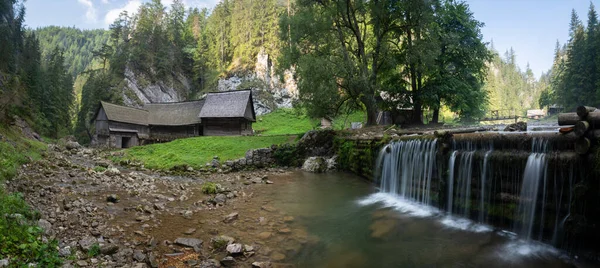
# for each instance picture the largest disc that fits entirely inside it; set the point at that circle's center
(104, 1)
(131, 7)
(90, 13)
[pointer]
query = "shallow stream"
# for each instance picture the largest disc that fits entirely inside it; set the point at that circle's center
(359, 227)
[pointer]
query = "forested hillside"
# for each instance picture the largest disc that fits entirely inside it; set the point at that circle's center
(78, 46)
(36, 87)
(509, 88)
(575, 75)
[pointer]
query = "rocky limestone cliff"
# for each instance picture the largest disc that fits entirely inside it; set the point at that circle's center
(268, 90)
(138, 89)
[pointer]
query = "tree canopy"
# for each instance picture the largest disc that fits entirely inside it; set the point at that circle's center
(398, 54)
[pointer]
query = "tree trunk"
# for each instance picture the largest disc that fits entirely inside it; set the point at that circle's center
(417, 112)
(372, 110)
(436, 115)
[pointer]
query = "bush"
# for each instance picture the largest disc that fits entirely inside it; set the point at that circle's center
(209, 188)
(99, 169)
(94, 250)
(20, 238)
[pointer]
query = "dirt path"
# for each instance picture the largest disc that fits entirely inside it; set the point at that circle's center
(128, 218)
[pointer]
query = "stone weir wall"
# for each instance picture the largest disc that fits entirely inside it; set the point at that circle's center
(533, 184)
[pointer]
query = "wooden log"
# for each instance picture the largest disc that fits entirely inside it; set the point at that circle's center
(565, 119)
(582, 146)
(583, 111)
(593, 134)
(581, 128)
(444, 132)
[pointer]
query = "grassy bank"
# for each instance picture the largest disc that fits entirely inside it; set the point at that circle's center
(292, 121)
(19, 234)
(284, 121)
(196, 152)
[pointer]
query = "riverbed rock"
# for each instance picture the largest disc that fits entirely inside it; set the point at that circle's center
(277, 256)
(210, 263)
(111, 172)
(261, 264)
(235, 249)
(189, 242)
(72, 145)
(231, 217)
(228, 261)
(64, 252)
(519, 126)
(113, 198)
(220, 198)
(109, 249)
(139, 255)
(315, 164)
(46, 226)
(87, 242)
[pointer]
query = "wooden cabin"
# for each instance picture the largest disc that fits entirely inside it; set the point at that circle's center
(228, 113)
(219, 114)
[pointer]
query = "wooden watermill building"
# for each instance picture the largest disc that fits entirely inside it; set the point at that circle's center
(218, 114)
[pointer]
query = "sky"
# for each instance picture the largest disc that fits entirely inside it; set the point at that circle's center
(530, 27)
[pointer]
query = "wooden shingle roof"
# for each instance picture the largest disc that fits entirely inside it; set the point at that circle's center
(174, 114)
(125, 114)
(229, 104)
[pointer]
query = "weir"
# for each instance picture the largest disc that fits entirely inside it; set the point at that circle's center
(529, 184)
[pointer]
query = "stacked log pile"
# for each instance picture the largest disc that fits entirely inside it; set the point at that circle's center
(585, 124)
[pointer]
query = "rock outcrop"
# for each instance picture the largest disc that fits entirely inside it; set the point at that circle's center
(138, 89)
(269, 91)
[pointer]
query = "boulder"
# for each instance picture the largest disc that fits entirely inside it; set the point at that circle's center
(109, 249)
(112, 172)
(46, 226)
(139, 256)
(315, 164)
(235, 249)
(231, 217)
(519, 126)
(72, 145)
(210, 263)
(87, 242)
(189, 242)
(228, 261)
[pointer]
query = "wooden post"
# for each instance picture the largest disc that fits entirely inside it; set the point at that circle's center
(581, 128)
(582, 146)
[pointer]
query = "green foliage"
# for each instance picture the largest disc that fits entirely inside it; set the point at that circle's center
(344, 121)
(15, 151)
(573, 79)
(287, 155)
(19, 235)
(209, 188)
(99, 169)
(284, 121)
(422, 54)
(94, 250)
(78, 45)
(196, 152)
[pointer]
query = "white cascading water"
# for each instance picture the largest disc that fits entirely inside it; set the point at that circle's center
(406, 169)
(483, 186)
(535, 173)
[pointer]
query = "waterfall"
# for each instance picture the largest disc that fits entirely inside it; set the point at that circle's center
(492, 186)
(460, 180)
(535, 172)
(484, 177)
(406, 169)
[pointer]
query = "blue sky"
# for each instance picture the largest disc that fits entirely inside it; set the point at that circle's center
(531, 27)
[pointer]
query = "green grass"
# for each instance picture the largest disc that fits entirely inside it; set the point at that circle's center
(284, 121)
(345, 121)
(196, 152)
(15, 151)
(19, 235)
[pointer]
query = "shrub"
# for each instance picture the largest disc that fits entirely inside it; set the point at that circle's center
(99, 169)
(209, 188)
(94, 250)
